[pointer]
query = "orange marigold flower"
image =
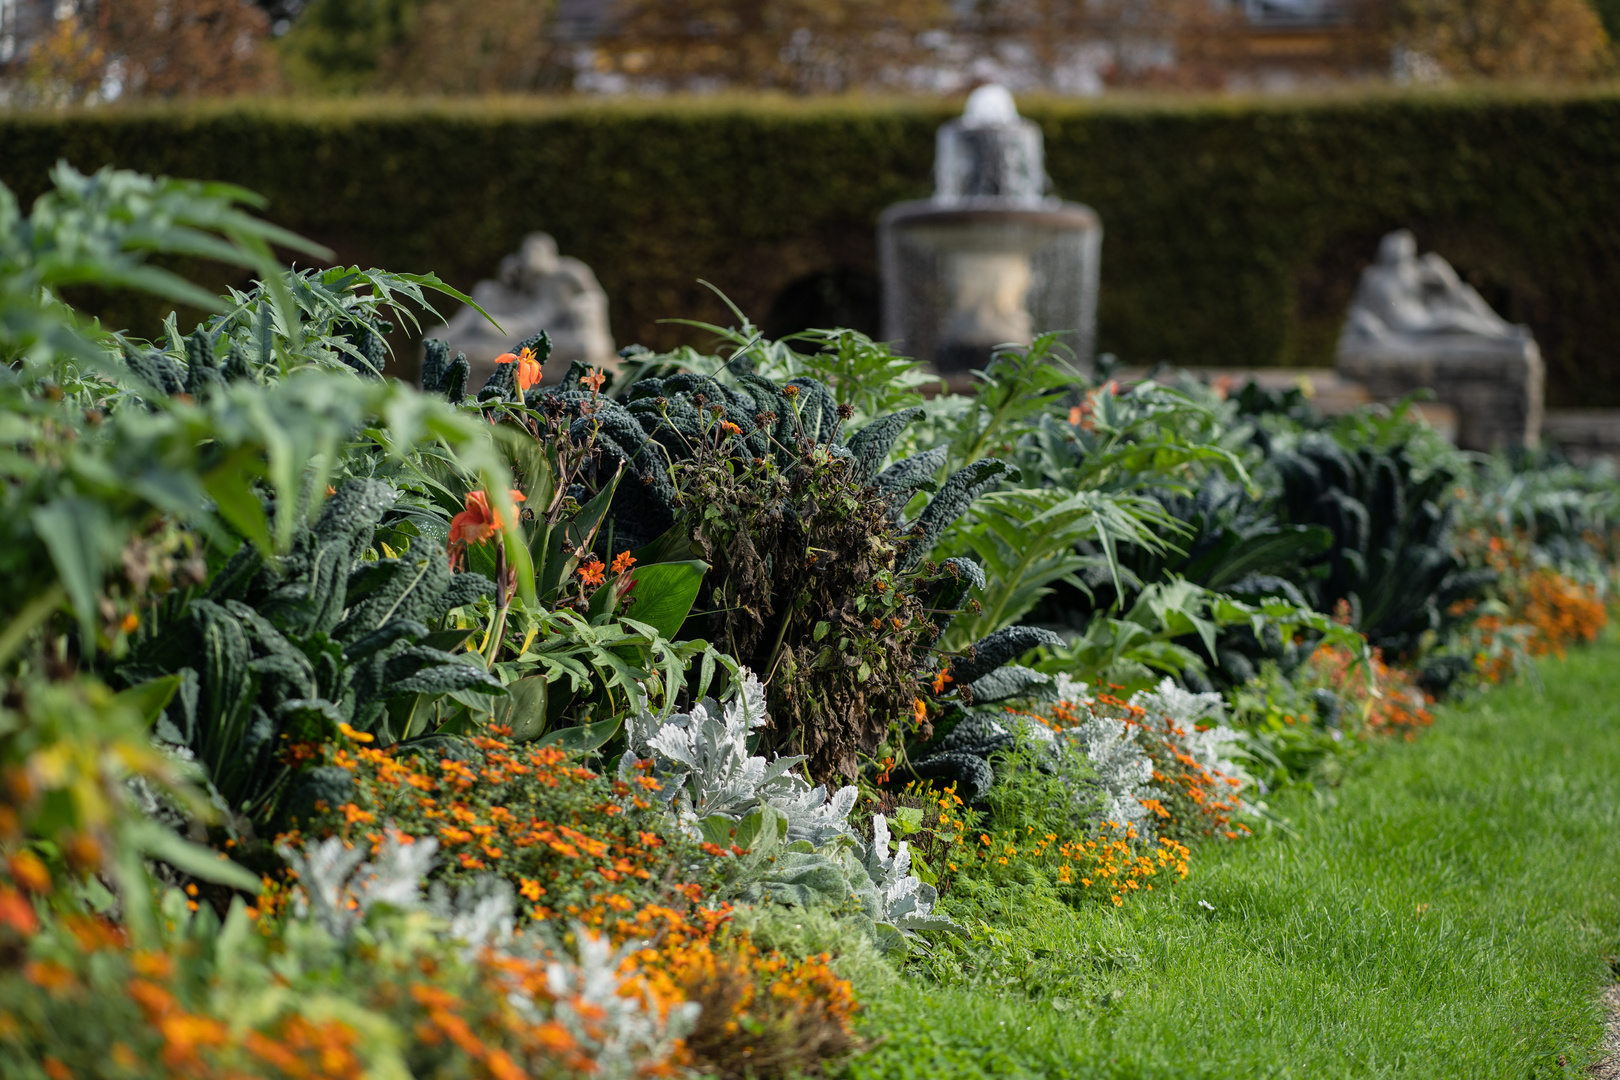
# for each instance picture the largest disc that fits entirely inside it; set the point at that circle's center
(942, 678)
(48, 975)
(554, 1037)
(594, 380)
(592, 571)
(622, 562)
(919, 709)
(729, 428)
(17, 913)
(28, 871)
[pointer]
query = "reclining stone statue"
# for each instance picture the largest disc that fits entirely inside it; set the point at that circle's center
(536, 289)
(1415, 324)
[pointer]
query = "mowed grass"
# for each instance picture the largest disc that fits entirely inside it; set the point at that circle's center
(1447, 912)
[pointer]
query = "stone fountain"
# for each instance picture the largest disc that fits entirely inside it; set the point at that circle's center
(991, 259)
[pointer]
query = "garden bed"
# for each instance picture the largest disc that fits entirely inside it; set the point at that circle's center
(747, 714)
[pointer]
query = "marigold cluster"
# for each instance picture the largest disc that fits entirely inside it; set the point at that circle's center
(573, 843)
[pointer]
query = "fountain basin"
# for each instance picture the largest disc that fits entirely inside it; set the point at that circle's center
(961, 277)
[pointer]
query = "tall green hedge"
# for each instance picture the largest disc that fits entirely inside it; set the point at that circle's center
(1234, 229)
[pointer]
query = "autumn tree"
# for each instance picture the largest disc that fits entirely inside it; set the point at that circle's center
(1508, 39)
(187, 48)
(800, 46)
(123, 49)
(424, 47)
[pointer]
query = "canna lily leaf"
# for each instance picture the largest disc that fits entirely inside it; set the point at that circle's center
(663, 594)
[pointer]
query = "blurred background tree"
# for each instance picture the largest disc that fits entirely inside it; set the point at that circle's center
(802, 46)
(451, 47)
(149, 48)
(1508, 39)
(57, 52)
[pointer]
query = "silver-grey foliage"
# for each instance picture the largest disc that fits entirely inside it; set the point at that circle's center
(797, 844)
(702, 760)
(617, 1026)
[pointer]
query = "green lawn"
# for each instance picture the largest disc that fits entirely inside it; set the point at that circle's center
(1446, 913)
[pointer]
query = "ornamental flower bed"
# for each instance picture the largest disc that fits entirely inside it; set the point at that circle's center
(633, 726)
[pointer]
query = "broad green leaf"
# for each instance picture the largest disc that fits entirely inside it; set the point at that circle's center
(585, 738)
(78, 533)
(525, 714)
(150, 698)
(237, 503)
(664, 593)
(158, 842)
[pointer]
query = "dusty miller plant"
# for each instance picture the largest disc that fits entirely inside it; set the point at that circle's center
(797, 845)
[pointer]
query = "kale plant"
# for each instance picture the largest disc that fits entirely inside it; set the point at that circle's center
(1391, 561)
(275, 652)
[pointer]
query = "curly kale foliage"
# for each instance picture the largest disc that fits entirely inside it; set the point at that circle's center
(1391, 558)
(1230, 542)
(341, 319)
(276, 653)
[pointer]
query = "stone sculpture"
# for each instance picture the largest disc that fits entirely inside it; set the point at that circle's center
(992, 258)
(536, 290)
(1414, 324)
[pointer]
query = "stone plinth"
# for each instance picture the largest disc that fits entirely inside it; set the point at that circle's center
(1584, 435)
(1495, 386)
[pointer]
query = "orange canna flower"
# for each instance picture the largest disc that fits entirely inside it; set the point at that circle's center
(592, 571)
(479, 521)
(528, 368)
(622, 562)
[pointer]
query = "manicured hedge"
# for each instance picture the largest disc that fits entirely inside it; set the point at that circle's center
(1235, 229)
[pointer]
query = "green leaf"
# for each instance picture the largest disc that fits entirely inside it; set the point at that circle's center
(761, 832)
(585, 738)
(907, 819)
(154, 840)
(447, 640)
(526, 712)
(150, 698)
(236, 503)
(717, 829)
(77, 532)
(664, 594)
